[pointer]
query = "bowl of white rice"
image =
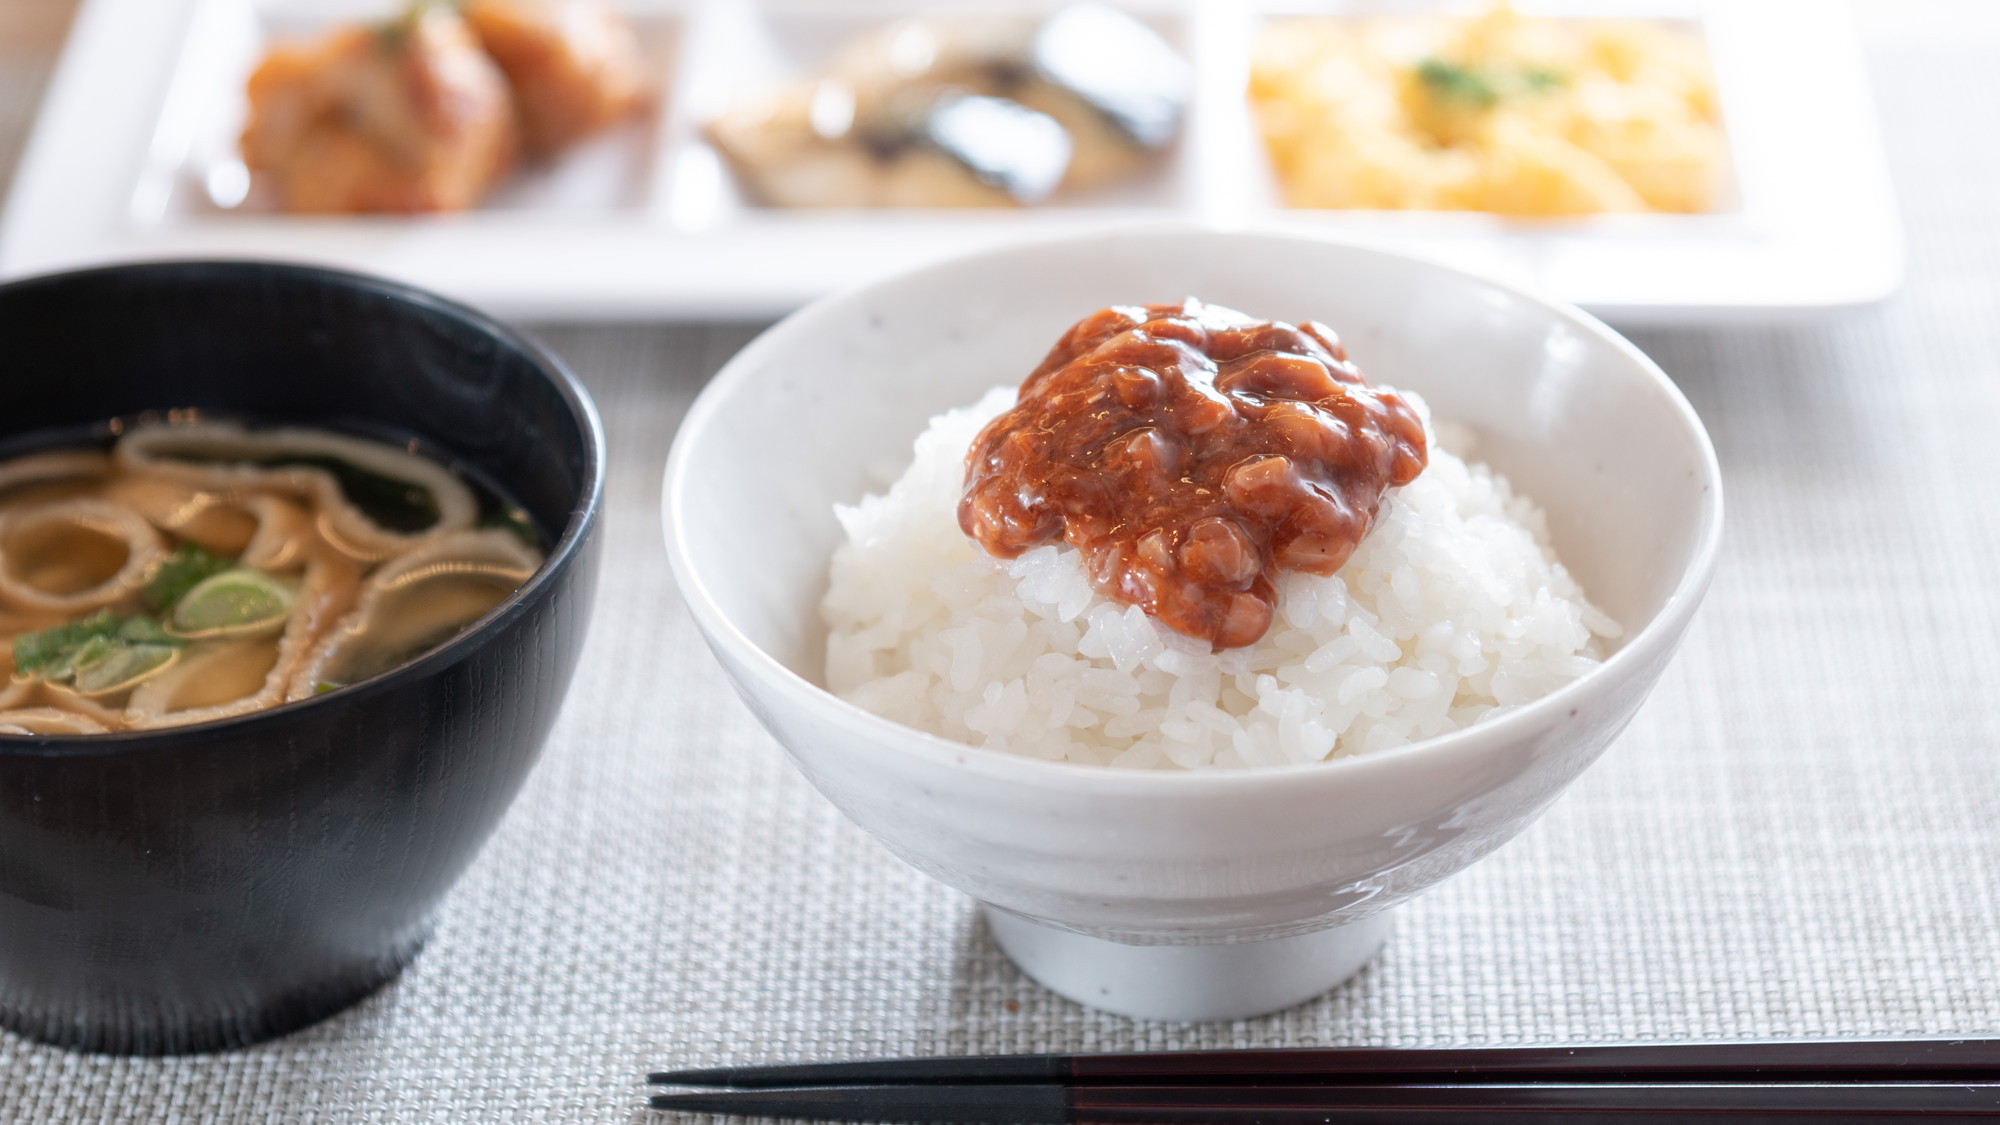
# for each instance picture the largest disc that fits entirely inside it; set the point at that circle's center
(1155, 826)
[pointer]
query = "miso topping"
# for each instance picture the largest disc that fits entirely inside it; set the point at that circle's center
(1192, 454)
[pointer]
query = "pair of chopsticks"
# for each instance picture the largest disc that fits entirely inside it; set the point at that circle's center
(1854, 1080)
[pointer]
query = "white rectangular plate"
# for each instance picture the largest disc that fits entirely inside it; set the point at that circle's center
(136, 139)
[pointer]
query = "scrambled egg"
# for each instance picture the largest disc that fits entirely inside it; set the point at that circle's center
(1499, 112)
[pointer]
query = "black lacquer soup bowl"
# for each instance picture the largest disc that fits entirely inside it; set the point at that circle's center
(208, 886)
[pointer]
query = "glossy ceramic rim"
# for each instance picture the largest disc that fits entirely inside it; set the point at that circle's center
(582, 518)
(1656, 636)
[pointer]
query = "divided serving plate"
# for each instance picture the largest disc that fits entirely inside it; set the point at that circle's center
(133, 157)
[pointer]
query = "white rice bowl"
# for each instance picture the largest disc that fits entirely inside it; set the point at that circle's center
(1452, 610)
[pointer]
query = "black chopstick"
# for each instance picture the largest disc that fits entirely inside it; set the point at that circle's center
(1574, 1104)
(1850, 1060)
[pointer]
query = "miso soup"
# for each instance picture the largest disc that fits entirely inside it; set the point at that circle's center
(198, 570)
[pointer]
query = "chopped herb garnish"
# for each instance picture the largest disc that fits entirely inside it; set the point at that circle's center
(100, 653)
(139, 629)
(36, 651)
(189, 566)
(394, 33)
(1451, 82)
(1540, 79)
(324, 686)
(1482, 88)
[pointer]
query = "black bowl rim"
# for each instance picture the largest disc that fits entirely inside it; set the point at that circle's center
(576, 532)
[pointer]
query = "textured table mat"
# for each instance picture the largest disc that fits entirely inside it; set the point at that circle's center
(1799, 836)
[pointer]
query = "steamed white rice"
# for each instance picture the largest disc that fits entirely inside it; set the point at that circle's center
(1451, 611)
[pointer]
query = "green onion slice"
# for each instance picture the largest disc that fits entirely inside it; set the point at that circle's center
(124, 666)
(235, 603)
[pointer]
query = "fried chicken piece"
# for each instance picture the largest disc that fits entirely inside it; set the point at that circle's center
(574, 65)
(408, 116)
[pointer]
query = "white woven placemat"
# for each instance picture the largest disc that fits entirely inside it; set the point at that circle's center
(1800, 835)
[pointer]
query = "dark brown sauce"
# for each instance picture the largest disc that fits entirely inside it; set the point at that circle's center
(1191, 453)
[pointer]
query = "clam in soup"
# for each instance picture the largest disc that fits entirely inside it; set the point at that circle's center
(203, 570)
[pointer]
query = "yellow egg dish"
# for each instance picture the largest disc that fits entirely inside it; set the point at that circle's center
(1498, 112)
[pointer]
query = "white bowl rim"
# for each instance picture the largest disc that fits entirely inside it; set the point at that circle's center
(1658, 634)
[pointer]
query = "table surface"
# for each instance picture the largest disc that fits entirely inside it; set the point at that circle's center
(1798, 836)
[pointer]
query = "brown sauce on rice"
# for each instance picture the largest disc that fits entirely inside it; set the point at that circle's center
(1192, 453)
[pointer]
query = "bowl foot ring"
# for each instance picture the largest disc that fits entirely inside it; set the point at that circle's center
(1188, 982)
